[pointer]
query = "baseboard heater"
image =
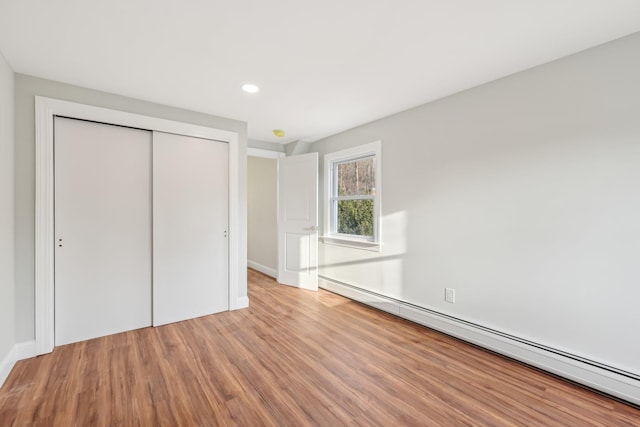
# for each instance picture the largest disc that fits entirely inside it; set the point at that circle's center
(607, 379)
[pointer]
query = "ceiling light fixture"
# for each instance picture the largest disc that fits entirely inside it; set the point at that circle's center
(278, 132)
(250, 88)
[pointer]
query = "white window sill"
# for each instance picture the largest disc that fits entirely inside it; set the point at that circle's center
(352, 243)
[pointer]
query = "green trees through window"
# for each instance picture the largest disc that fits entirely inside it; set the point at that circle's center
(352, 191)
(355, 217)
(356, 189)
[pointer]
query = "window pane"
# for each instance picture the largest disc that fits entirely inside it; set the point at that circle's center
(355, 217)
(357, 178)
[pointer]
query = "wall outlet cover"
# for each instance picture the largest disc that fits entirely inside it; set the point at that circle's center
(450, 295)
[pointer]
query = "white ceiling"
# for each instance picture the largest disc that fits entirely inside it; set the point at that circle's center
(323, 66)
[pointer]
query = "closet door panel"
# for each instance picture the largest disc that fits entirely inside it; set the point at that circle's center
(190, 243)
(103, 229)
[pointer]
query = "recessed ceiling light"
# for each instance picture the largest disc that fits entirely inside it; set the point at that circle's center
(250, 88)
(278, 132)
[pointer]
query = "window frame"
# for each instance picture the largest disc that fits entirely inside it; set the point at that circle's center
(331, 160)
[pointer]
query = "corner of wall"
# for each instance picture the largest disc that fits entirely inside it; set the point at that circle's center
(264, 145)
(7, 193)
(6, 365)
(298, 147)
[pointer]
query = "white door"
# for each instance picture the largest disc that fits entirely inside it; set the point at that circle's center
(102, 228)
(298, 221)
(190, 227)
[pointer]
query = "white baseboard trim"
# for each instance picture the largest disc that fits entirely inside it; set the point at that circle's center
(6, 365)
(271, 272)
(376, 301)
(19, 351)
(241, 302)
(25, 350)
(604, 380)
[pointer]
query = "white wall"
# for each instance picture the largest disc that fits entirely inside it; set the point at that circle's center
(26, 88)
(262, 208)
(265, 145)
(7, 301)
(522, 194)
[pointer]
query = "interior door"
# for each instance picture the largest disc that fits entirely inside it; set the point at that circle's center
(298, 221)
(102, 228)
(190, 227)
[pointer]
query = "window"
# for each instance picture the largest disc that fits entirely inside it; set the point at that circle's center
(352, 196)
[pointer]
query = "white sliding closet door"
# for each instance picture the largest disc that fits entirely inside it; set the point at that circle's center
(102, 228)
(190, 227)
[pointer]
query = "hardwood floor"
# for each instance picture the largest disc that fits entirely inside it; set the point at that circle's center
(293, 358)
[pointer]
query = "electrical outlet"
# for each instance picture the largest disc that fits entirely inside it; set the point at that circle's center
(450, 295)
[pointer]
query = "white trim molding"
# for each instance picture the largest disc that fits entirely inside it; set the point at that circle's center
(46, 110)
(6, 365)
(242, 302)
(271, 272)
(589, 374)
(267, 154)
(23, 350)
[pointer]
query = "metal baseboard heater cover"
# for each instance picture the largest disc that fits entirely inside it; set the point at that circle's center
(607, 379)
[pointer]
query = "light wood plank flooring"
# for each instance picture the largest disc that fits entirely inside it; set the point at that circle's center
(294, 358)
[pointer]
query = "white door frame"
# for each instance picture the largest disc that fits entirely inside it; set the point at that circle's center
(46, 109)
(266, 154)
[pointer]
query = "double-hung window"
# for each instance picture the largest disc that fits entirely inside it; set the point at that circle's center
(352, 196)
